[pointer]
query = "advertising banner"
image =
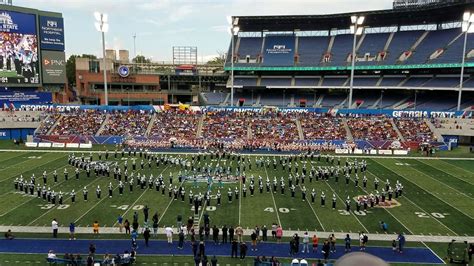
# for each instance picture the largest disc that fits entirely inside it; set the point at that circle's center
(52, 33)
(19, 54)
(279, 51)
(28, 97)
(54, 67)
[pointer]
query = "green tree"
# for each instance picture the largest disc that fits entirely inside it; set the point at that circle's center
(218, 60)
(71, 67)
(141, 59)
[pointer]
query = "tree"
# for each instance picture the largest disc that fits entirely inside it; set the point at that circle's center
(218, 60)
(71, 67)
(141, 59)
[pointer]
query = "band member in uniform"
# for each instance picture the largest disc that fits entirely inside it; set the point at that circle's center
(313, 195)
(84, 193)
(323, 199)
(333, 201)
(98, 191)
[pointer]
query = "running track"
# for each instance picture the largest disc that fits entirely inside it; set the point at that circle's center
(158, 247)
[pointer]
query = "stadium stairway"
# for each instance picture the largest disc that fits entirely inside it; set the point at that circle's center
(400, 136)
(224, 103)
(249, 132)
(300, 129)
(319, 101)
(435, 131)
(348, 130)
(150, 125)
(55, 125)
(102, 127)
(199, 127)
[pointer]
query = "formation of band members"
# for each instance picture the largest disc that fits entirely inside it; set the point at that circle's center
(199, 168)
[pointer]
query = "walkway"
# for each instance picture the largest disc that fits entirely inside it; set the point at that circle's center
(157, 247)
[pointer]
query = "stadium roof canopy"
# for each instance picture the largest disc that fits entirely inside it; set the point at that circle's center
(435, 14)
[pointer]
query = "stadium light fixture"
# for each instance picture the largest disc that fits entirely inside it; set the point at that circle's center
(233, 31)
(357, 29)
(467, 27)
(102, 26)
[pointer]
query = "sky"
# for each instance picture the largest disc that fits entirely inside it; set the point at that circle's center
(161, 24)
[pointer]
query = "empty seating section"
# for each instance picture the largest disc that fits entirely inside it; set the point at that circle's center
(175, 124)
(365, 82)
(308, 97)
(245, 81)
(433, 41)
(275, 82)
(445, 82)
(334, 81)
(341, 48)
(311, 50)
(333, 100)
(372, 128)
(248, 97)
(322, 127)
(274, 99)
(391, 81)
(306, 81)
(129, 123)
(453, 54)
(416, 81)
(249, 46)
(214, 98)
(372, 44)
(401, 42)
(85, 123)
(414, 129)
(279, 51)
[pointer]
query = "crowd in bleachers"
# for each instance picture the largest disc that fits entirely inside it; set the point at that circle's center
(265, 129)
(322, 126)
(127, 123)
(48, 123)
(372, 128)
(175, 124)
(414, 129)
(80, 122)
(226, 125)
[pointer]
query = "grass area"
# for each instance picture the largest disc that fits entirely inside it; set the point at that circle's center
(437, 196)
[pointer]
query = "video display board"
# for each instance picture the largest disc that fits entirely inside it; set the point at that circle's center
(19, 62)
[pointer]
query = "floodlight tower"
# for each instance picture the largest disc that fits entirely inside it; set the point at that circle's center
(233, 31)
(467, 27)
(356, 29)
(101, 24)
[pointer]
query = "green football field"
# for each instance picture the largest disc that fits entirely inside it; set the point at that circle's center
(437, 196)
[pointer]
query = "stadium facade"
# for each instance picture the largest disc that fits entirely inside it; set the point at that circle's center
(406, 58)
(32, 58)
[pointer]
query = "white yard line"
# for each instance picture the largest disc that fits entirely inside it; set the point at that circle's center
(416, 205)
(441, 182)
(240, 198)
(1, 215)
(317, 218)
(273, 198)
(450, 174)
(337, 195)
(47, 161)
(408, 179)
(42, 215)
(143, 193)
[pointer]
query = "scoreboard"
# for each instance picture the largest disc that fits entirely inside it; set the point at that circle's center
(31, 47)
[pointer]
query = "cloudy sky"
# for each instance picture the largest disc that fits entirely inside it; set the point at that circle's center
(162, 24)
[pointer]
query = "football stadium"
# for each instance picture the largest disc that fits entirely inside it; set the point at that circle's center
(343, 138)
